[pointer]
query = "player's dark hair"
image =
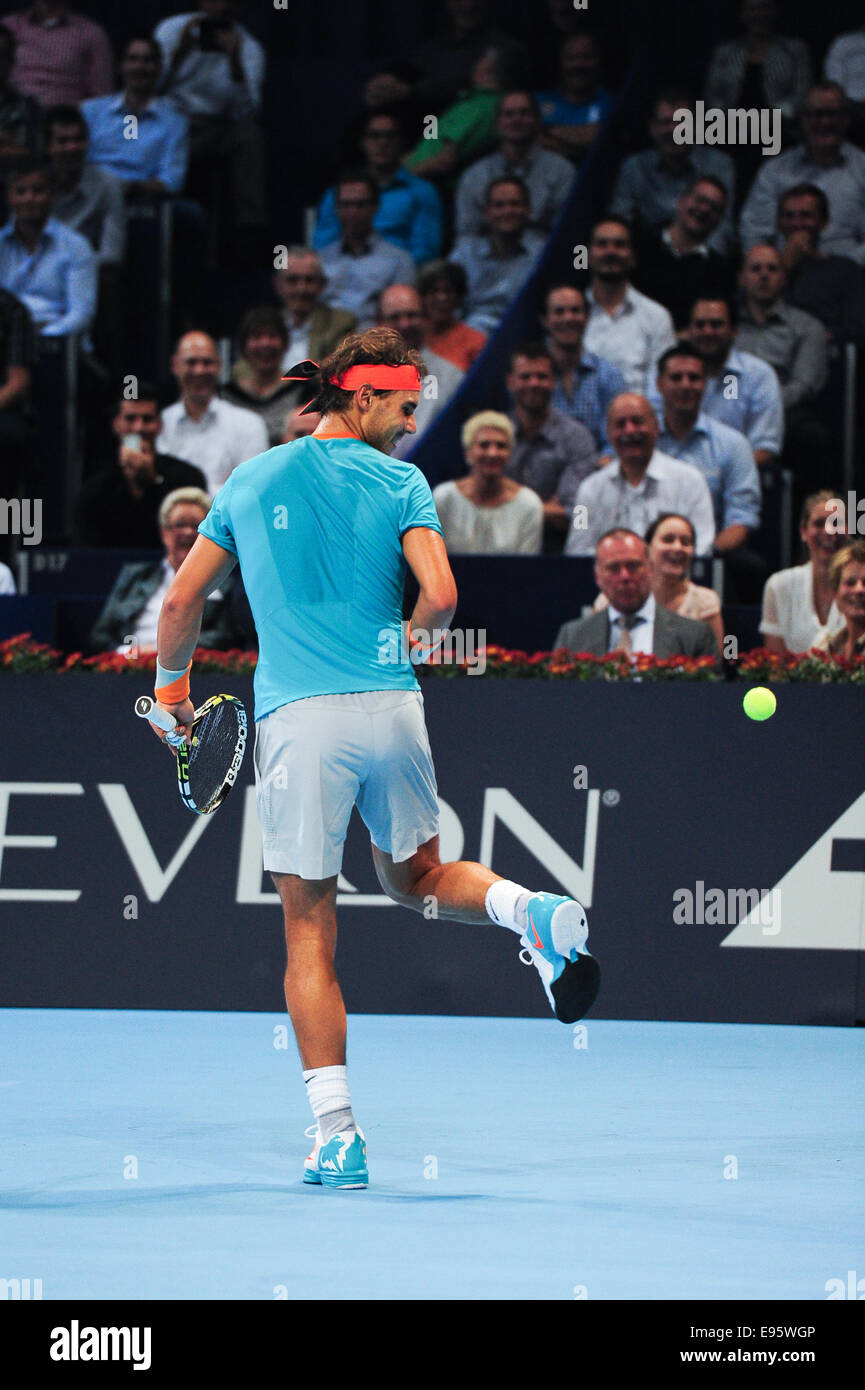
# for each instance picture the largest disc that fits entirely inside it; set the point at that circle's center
(669, 516)
(681, 349)
(379, 347)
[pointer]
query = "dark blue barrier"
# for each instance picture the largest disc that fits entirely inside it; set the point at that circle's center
(114, 896)
(22, 613)
(67, 570)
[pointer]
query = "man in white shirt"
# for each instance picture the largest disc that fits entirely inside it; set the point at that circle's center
(624, 327)
(639, 485)
(200, 428)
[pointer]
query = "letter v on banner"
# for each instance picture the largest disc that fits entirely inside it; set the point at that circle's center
(579, 881)
(154, 879)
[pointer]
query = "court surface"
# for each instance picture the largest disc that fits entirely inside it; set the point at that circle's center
(648, 1161)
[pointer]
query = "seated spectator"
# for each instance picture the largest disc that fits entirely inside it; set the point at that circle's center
(723, 455)
(794, 344)
(632, 621)
(639, 484)
(625, 327)
(848, 577)
(119, 506)
(361, 264)
(845, 65)
(256, 378)
(670, 540)
(498, 263)
(213, 74)
(400, 307)
(547, 175)
(202, 429)
(128, 622)
(50, 268)
(466, 131)
(154, 164)
(552, 453)
(677, 265)
(442, 65)
(17, 355)
(61, 57)
(762, 69)
(488, 513)
(443, 286)
(586, 385)
(573, 112)
(313, 327)
(831, 288)
(742, 391)
(86, 198)
(409, 212)
(825, 159)
(20, 116)
(7, 582)
(799, 603)
(299, 423)
(650, 183)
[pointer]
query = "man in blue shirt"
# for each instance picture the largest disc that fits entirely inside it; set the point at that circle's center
(47, 266)
(573, 112)
(409, 212)
(323, 529)
(140, 138)
(723, 455)
(586, 385)
(498, 264)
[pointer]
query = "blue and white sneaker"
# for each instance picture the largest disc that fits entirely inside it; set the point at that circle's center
(555, 942)
(341, 1162)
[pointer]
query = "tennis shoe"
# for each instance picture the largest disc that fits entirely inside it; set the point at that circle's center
(555, 943)
(341, 1162)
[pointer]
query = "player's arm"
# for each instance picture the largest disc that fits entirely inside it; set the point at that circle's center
(203, 570)
(427, 559)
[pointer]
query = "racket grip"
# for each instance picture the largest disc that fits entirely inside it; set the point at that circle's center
(154, 713)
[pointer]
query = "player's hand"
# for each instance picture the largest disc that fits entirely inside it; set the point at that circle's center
(184, 714)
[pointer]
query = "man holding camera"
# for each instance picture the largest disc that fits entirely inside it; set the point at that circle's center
(213, 74)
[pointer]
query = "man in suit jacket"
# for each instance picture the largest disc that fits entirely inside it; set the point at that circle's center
(632, 622)
(128, 622)
(314, 329)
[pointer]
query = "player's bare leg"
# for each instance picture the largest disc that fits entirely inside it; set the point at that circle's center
(552, 929)
(312, 993)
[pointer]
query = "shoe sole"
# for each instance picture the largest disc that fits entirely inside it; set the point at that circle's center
(351, 1180)
(576, 989)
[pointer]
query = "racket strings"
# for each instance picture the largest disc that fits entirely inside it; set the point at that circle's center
(214, 743)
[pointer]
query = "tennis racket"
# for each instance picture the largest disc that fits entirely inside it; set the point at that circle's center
(207, 767)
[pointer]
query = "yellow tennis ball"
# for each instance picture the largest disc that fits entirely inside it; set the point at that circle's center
(759, 703)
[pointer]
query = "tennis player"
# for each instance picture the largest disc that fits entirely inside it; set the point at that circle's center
(323, 528)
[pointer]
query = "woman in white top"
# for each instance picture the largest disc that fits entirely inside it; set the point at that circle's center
(798, 602)
(670, 539)
(848, 576)
(487, 513)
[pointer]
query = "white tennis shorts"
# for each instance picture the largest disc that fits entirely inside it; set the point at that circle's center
(317, 758)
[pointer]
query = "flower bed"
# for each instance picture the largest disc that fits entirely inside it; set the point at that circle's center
(20, 655)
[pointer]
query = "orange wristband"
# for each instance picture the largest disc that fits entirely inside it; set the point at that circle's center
(176, 692)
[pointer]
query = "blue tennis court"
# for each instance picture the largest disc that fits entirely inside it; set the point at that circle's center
(158, 1155)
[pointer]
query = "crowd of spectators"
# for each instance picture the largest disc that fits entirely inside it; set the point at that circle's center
(669, 382)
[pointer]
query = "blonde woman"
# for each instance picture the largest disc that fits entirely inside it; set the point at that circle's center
(670, 539)
(799, 602)
(847, 571)
(488, 513)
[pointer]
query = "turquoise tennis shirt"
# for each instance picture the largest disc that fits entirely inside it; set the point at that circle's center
(316, 526)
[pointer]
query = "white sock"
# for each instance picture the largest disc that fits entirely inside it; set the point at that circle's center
(507, 905)
(328, 1094)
